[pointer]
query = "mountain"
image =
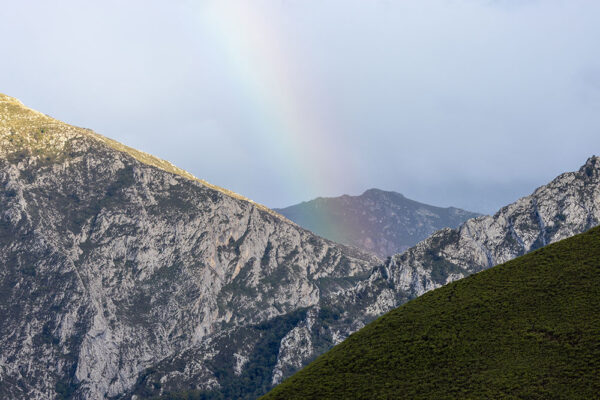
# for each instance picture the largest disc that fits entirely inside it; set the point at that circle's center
(384, 223)
(528, 328)
(114, 264)
(568, 205)
(122, 276)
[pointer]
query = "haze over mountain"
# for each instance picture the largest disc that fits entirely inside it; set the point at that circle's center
(123, 275)
(382, 222)
(525, 329)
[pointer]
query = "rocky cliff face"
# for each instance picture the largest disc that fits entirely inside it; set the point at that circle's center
(113, 263)
(381, 222)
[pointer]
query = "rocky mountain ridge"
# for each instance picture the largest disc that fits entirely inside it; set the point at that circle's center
(22, 132)
(382, 222)
(113, 261)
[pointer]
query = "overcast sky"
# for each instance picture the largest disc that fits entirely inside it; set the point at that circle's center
(467, 103)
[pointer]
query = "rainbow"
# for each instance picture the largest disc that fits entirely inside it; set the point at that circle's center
(297, 135)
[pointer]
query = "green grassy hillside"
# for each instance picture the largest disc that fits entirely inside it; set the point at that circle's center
(529, 328)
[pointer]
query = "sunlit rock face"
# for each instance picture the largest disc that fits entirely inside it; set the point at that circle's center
(112, 262)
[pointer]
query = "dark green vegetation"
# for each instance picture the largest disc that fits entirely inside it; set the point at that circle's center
(529, 328)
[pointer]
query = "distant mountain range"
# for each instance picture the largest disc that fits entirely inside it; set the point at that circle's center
(382, 222)
(122, 275)
(525, 329)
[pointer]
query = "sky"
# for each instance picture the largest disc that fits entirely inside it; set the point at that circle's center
(466, 103)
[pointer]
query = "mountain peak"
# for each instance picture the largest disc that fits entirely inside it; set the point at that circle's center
(15, 116)
(379, 221)
(7, 99)
(380, 192)
(592, 167)
(101, 243)
(25, 131)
